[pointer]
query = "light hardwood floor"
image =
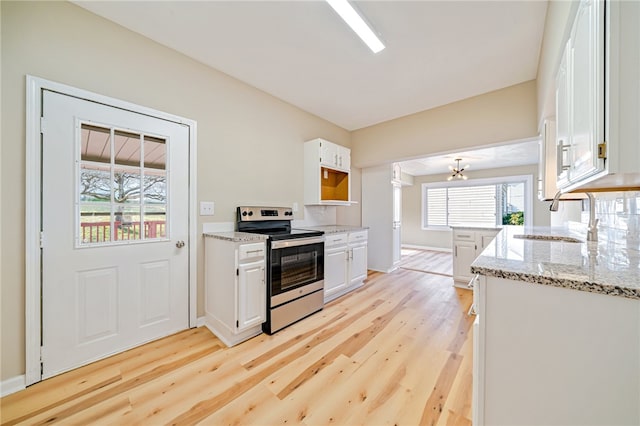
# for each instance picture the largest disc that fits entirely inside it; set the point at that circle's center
(397, 351)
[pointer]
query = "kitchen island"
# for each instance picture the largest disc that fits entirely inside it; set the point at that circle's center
(557, 337)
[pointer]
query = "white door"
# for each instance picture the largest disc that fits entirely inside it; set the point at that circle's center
(252, 293)
(115, 215)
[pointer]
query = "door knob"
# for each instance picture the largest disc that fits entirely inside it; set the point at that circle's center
(180, 244)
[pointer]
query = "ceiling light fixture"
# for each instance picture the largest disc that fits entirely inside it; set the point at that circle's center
(357, 24)
(457, 171)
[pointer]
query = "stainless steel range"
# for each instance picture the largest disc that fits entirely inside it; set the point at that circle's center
(295, 259)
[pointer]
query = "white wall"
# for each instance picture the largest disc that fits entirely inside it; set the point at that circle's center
(249, 143)
(412, 232)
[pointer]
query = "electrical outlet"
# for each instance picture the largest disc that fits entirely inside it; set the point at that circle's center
(206, 208)
(295, 207)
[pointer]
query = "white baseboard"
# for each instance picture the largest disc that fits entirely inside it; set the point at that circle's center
(200, 322)
(419, 247)
(12, 385)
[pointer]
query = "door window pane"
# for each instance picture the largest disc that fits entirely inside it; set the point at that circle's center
(126, 185)
(155, 187)
(95, 181)
(127, 223)
(155, 221)
(155, 153)
(95, 223)
(95, 144)
(122, 187)
(127, 148)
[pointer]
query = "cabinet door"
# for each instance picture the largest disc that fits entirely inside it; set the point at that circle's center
(335, 270)
(587, 69)
(343, 158)
(562, 121)
(464, 253)
(484, 238)
(358, 266)
(252, 295)
(328, 154)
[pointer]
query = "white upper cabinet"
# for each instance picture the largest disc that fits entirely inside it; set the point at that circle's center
(327, 169)
(333, 155)
(598, 99)
(586, 50)
(547, 168)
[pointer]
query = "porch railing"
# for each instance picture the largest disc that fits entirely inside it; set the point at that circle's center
(96, 232)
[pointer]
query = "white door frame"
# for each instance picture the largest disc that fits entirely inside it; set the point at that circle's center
(33, 269)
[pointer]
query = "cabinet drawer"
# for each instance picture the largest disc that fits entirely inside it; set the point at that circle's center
(464, 235)
(335, 240)
(357, 236)
(248, 251)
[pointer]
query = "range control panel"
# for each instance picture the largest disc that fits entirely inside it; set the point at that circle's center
(246, 214)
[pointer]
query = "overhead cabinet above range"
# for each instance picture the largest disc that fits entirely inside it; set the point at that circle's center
(327, 170)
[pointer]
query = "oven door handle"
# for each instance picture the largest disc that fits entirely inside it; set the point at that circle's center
(296, 242)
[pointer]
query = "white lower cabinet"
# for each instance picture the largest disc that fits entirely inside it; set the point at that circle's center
(467, 245)
(358, 258)
(235, 289)
(336, 260)
(545, 355)
(345, 263)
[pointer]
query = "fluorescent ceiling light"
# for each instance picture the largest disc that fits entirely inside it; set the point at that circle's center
(357, 24)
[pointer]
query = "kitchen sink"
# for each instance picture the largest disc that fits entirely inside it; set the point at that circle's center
(548, 238)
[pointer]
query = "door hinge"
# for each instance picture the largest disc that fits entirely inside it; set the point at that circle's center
(41, 354)
(41, 239)
(237, 272)
(43, 123)
(237, 324)
(602, 150)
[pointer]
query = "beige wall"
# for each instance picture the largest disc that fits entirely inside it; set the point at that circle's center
(504, 115)
(412, 232)
(249, 143)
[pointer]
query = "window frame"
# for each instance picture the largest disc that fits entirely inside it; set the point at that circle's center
(528, 196)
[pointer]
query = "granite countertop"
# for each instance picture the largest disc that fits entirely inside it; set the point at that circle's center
(609, 266)
(238, 237)
(333, 229)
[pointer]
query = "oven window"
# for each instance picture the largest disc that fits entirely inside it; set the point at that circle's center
(294, 267)
(297, 268)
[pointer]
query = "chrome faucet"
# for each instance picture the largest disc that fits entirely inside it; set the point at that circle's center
(592, 227)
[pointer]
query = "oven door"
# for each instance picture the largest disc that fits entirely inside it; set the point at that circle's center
(296, 263)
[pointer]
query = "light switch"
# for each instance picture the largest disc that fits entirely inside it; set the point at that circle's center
(206, 208)
(295, 207)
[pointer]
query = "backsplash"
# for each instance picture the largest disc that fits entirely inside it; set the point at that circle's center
(618, 212)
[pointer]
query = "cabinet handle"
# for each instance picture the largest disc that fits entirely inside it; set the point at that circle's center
(455, 249)
(254, 251)
(336, 160)
(562, 149)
